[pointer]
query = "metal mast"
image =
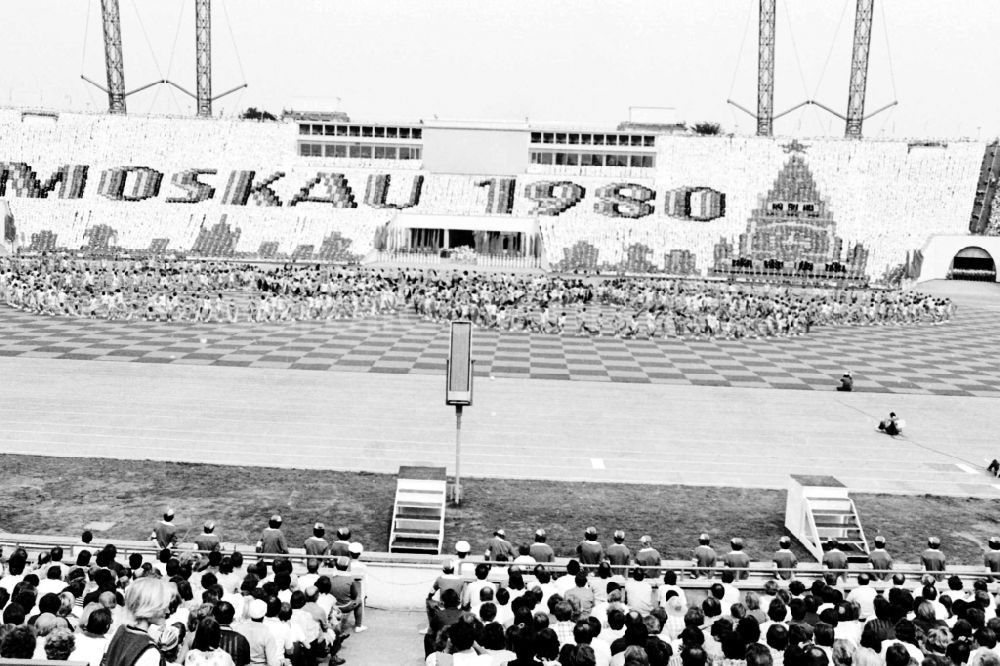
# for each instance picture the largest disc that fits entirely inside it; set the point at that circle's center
(114, 63)
(859, 68)
(203, 56)
(765, 69)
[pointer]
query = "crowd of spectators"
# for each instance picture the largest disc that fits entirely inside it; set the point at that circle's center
(626, 307)
(603, 610)
(197, 608)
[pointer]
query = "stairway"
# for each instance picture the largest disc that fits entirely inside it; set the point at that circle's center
(418, 512)
(837, 518)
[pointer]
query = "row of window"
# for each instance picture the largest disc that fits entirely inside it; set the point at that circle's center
(359, 151)
(370, 131)
(593, 159)
(581, 139)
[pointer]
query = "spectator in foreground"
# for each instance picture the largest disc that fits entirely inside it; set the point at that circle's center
(205, 650)
(147, 603)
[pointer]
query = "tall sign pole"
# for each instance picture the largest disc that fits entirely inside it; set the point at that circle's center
(458, 389)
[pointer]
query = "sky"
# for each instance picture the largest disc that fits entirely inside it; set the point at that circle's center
(550, 61)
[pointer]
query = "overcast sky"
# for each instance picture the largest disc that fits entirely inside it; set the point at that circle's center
(580, 61)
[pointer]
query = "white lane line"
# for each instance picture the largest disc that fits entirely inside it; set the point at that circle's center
(597, 463)
(966, 468)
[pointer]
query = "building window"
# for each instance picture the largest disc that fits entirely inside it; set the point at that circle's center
(317, 130)
(404, 132)
(649, 141)
(598, 139)
(354, 130)
(390, 132)
(304, 149)
(416, 133)
(648, 161)
(329, 150)
(303, 129)
(379, 132)
(536, 137)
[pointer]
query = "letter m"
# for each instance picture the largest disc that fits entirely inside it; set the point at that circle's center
(24, 182)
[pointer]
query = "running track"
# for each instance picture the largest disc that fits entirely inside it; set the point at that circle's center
(690, 412)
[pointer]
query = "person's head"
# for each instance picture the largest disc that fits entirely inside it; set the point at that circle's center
(635, 655)
(759, 655)
(985, 637)
(18, 643)
(823, 634)
(693, 655)
(937, 640)
(59, 644)
(711, 607)
(148, 600)
(491, 637)
(906, 631)
(733, 646)
(521, 641)
(777, 637)
(842, 653)
(896, 655)
(450, 598)
(748, 630)
(99, 621)
(224, 613)
(958, 652)
(546, 645)
(274, 522)
(207, 636)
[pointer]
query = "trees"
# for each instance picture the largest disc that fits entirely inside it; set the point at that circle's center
(254, 114)
(707, 129)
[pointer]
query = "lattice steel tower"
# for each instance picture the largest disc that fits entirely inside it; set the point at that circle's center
(203, 56)
(859, 68)
(114, 62)
(765, 69)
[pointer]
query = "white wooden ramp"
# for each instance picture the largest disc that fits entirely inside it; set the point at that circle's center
(819, 510)
(418, 512)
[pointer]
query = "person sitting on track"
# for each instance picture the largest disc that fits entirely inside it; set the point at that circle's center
(846, 382)
(891, 426)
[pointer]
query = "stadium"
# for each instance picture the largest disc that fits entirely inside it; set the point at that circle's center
(325, 388)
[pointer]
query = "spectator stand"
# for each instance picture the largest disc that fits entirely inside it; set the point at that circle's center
(418, 510)
(819, 509)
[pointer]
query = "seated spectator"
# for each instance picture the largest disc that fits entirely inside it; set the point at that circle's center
(92, 639)
(18, 643)
(205, 649)
(59, 644)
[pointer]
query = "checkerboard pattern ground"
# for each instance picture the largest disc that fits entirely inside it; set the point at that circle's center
(957, 358)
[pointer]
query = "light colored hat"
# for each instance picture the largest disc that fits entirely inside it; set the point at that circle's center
(645, 539)
(209, 525)
(276, 518)
(356, 548)
(258, 609)
(462, 547)
(319, 526)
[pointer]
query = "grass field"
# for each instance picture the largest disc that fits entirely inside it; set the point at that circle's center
(59, 495)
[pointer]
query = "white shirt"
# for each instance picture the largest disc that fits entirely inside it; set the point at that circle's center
(89, 649)
(50, 586)
(864, 596)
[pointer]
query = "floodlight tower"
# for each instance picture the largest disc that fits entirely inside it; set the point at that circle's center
(765, 115)
(114, 62)
(859, 68)
(765, 69)
(203, 56)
